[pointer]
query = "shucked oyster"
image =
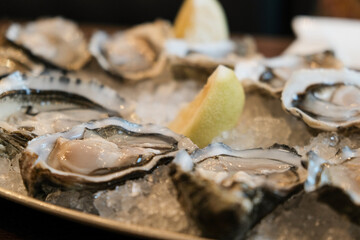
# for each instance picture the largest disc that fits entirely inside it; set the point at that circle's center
(227, 191)
(55, 40)
(134, 54)
(97, 155)
(324, 99)
(271, 74)
(47, 104)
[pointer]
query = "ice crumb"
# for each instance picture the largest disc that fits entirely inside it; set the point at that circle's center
(78, 200)
(327, 144)
(184, 161)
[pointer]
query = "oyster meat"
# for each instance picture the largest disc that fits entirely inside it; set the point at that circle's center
(325, 99)
(47, 104)
(227, 191)
(56, 40)
(97, 155)
(271, 74)
(134, 54)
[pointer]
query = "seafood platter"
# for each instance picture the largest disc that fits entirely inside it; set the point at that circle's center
(86, 132)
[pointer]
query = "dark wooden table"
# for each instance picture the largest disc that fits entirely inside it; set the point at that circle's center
(18, 222)
(271, 46)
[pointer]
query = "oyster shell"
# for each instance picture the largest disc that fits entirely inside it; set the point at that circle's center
(13, 141)
(198, 61)
(233, 189)
(134, 54)
(56, 40)
(271, 74)
(12, 60)
(77, 160)
(324, 99)
(341, 172)
(46, 104)
(324, 214)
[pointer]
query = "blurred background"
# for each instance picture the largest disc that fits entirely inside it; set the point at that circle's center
(268, 17)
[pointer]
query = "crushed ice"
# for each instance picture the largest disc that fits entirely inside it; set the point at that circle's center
(264, 123)
(150, 201)
(10, 177)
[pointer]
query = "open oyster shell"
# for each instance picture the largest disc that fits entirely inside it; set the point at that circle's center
(198, 61)
(271, 74)
(46, 104)
(97, 155)
(324, 99)
(134, 54)
(341, 172)
(56, 40)
(227, 191)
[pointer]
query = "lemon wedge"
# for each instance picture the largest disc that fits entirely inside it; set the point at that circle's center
(215, 109)
(201, 21)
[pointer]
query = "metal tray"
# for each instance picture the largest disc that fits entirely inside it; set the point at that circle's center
(93, 220)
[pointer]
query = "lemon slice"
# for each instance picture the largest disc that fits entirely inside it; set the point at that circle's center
(201, 21)
(216, 108)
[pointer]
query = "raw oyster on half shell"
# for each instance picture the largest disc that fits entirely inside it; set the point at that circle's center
(271, 74)
(227, 191)
(56, 40)
(97, 155)
(47, 104)
(324, 99)
(135, 54)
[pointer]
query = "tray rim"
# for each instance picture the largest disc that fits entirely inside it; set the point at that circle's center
(92, 220)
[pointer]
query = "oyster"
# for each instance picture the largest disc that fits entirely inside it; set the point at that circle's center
(341, 172)
(56, 40)
(227, 191)
(12, 60)
(97, 155)
(324, 214)
(324, 99)
(134, 54)
(198, 61)
(13, 141)
(271, 74)
(46, 104)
